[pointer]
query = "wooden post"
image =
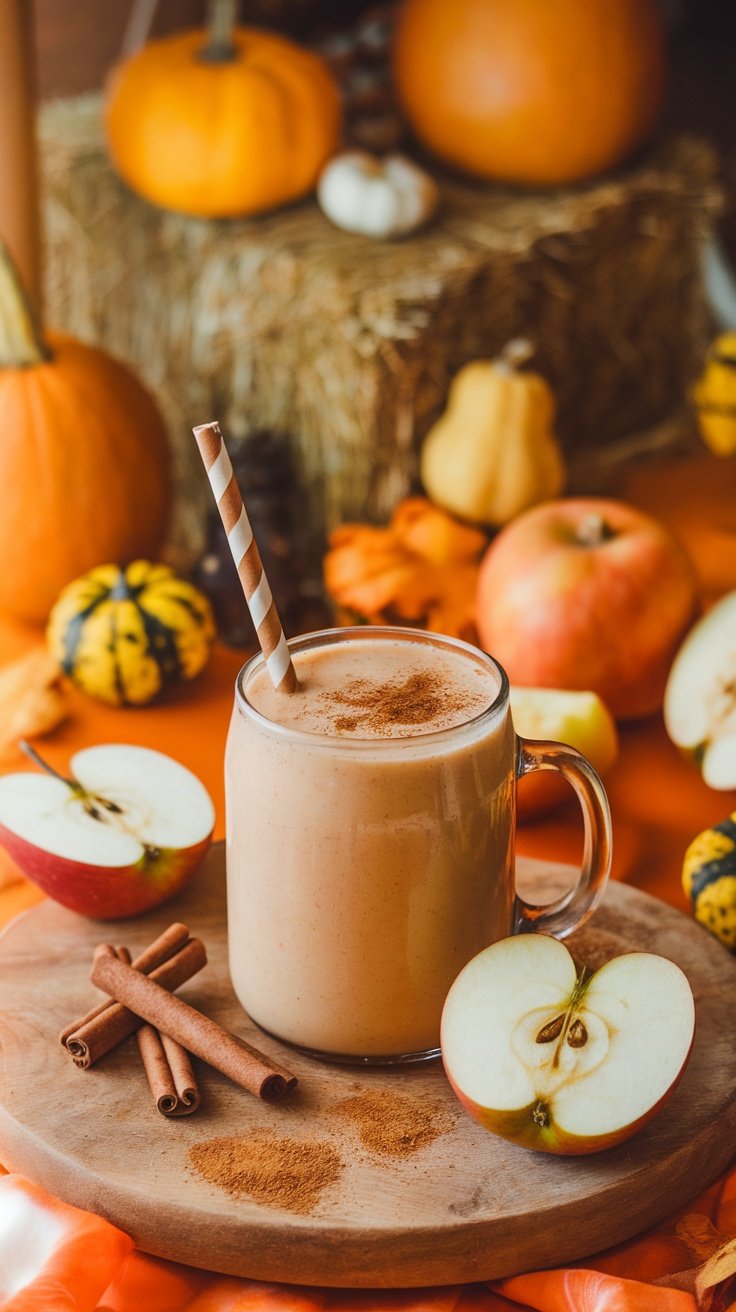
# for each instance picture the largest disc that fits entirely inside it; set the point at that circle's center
(19, 215)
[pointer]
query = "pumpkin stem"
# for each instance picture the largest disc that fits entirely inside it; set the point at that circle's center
(221, 17)
(515, 353)
(122, 591)
(21, 343)
(592, 530)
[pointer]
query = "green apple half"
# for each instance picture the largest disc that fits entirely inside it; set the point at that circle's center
(700, 696)
(117, 837)
(561, 1061)
(577, 718)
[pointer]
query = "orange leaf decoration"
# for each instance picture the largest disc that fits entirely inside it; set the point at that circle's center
(434, 534)
(715, 1284)
(420, 570)
(32, 699)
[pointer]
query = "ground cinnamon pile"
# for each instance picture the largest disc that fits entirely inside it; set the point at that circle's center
(278, 1172)
(373, 704)
(392, 1124)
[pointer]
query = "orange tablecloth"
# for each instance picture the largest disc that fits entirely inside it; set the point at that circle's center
(658, 803)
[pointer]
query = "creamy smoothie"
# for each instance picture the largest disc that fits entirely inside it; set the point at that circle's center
(370, 833)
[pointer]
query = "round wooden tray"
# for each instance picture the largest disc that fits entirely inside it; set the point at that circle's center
(467, 1206)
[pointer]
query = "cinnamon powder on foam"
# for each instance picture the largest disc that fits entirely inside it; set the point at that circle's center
(420, 698)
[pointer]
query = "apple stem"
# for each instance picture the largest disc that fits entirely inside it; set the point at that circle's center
(33, 755)
(96, 807)
(592, 530)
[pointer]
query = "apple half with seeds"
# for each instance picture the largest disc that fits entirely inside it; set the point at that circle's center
(560, 1060)
(700, 696)
(120, 835)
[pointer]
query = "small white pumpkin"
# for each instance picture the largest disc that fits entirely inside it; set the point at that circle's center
(377, 198)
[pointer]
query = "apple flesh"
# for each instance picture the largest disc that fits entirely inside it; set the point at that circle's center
(559, 1061)
(579, 719)
(587, 593)
(118, 837)
(700, 696)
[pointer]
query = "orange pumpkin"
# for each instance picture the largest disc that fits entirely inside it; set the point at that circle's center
(226, 127)
(84, 460)
(529, 90)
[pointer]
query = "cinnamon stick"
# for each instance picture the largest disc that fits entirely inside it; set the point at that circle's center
(168, 1068)
(110, 1027)
(169, 1071)
(251, 1069)
(154, 955)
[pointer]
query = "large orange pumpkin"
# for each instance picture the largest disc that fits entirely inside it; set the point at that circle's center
(84, 460)
(231, 126)
(533, 91)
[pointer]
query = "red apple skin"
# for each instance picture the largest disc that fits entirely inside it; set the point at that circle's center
(608, 616)
(102, 892)
(519, 1128)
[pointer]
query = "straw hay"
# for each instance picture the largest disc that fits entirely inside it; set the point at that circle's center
(347, 345)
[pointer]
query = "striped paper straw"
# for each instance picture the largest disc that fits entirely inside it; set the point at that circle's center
(247, 558)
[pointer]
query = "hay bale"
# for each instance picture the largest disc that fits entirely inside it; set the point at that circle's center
(283, 322)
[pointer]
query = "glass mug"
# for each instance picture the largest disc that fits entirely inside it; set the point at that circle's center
(364, 872)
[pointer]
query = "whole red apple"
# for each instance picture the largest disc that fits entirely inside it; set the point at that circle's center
(590, 594)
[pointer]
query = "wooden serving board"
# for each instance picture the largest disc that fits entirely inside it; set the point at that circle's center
(466, 1207)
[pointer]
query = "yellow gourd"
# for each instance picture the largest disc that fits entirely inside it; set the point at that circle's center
(714, 396)
(125, 635)
(493, 453)
(709, 879)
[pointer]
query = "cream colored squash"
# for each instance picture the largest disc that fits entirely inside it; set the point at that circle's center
(377, 198)
(493, 452)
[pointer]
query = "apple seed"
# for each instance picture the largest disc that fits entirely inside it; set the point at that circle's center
(552, 1030)
(564, 1027)
(577, 1035)
(110, 806)
(91, 804)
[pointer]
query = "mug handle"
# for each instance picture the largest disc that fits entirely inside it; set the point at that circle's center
(560, 918)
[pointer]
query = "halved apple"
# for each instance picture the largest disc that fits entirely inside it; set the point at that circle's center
(560, 1061)
(117, 837)
(580, 719)
(700, 696)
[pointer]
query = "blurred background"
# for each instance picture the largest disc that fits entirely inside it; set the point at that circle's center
(326, 350)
